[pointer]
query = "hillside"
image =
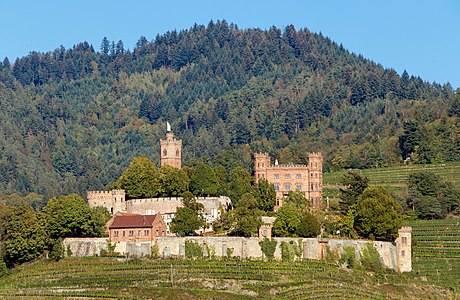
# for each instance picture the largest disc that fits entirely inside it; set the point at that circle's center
(111, 278)
(394, 179)
(72, 119)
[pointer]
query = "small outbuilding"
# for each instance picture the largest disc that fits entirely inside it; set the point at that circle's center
(136, 228)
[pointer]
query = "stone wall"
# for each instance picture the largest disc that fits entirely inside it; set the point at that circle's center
(241, 247)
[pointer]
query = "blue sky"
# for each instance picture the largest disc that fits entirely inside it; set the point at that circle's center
(422, 37)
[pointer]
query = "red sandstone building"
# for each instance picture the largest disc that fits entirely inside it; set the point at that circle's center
(291, 177)
(136, 228)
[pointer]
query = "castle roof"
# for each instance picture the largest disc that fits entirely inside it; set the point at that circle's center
(134, 221)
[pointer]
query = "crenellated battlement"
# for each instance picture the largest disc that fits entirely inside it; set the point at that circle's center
(315, 154)
(405, 229)
(261, 154)
(292, 166)
(99, 193)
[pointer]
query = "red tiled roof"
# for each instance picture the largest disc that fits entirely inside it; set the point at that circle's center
(133, 221)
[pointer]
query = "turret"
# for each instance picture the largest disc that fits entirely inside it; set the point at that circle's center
(171, 150)
(118, 201)
(261, 163)
(404, 249)
(315, 179)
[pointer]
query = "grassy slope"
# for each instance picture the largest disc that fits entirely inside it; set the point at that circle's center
(393, 178)
(178, 279)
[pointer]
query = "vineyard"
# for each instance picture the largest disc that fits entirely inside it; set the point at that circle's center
(111, 278)
(436, 251)
(393, 179)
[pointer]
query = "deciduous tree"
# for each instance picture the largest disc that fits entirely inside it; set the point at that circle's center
(378, 214)
(69, 216)
(140, 179)
(25, 235)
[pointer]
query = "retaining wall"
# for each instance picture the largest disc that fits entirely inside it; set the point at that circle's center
(241, 247)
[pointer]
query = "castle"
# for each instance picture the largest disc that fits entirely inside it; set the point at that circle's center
(140, 225)
(171, 151)
(307, 179)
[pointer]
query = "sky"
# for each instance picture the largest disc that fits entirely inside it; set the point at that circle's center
(419, 36)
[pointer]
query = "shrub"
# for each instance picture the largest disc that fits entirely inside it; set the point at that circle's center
(268, 247)
(287, 252)
(154, 251)
(3, 268)
(229, 252)
(193, 250)
(370, 259)
(291, 250)
(68, 251)
(332, 256)
(57, 251)
(348, 257)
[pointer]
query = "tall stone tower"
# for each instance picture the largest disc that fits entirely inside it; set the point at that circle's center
(315, 180)
(171, 150)
(404, 249)
(261, 163)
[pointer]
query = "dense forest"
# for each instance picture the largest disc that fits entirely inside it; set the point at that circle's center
(73, 119)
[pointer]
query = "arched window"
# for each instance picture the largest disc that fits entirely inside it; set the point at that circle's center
(165, 152)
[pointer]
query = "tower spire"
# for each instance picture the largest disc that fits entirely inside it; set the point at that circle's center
(168, 127)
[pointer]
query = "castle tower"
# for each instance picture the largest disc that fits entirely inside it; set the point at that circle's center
(404, 249)
(261, 163)
(171, 150)
(315, 179)
(118, 201)
(114, 200)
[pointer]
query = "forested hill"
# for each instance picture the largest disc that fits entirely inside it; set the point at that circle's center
(72, 119)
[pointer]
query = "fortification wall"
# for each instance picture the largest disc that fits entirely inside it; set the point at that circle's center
(170, 204)
(241, 247)
(100, 198)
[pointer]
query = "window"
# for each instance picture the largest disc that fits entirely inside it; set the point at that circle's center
(288, 187)
(288, 176)
(115, 233)
(131, 233)
(146, 232)
(177, 152)
(276, 176)
(264, 233)
(403, 253)
(165, 152)
(277, 186)
(298, 187)
(404, 241)
(123, 233)
(138, 233)
(263, 175)
(298, 176)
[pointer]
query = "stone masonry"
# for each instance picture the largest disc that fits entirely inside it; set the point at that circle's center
(245, 248)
